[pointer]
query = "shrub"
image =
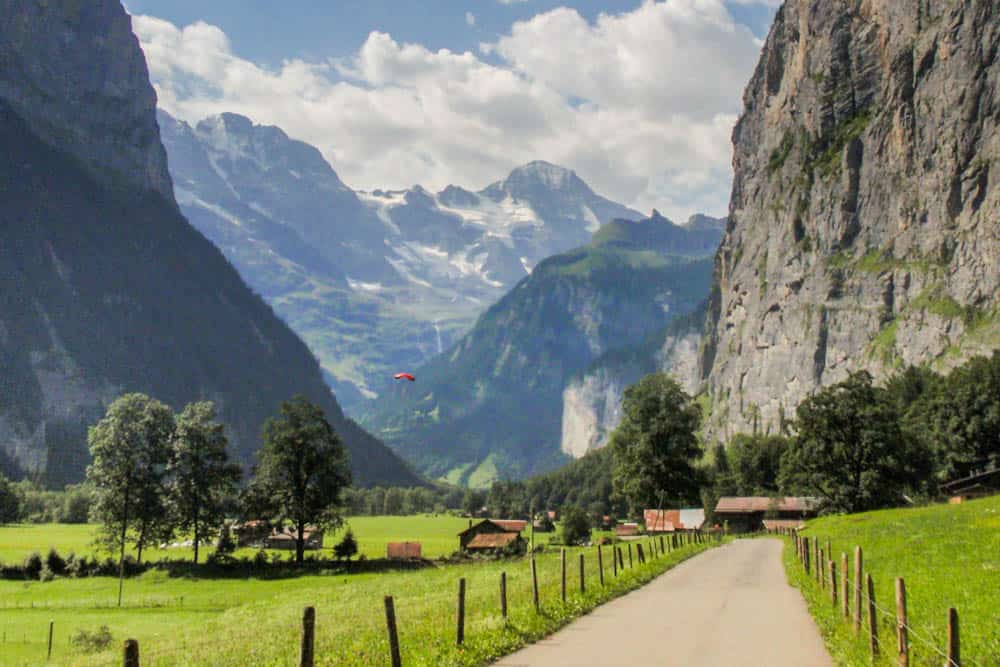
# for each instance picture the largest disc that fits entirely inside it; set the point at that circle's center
(33, 565)
(260, 558)
(225, 544)
(55, 562)
(575, 526)
(45, 574)
(92, 642)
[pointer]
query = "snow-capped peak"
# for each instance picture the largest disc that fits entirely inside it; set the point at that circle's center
(543, 173)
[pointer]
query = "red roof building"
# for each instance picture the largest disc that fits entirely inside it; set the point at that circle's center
(746, 513)
(492, 534)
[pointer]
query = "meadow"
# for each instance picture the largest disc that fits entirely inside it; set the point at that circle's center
(948, 556)
(437, 534)
(254, 621)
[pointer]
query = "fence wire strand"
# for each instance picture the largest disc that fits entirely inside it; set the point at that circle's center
(891, 615)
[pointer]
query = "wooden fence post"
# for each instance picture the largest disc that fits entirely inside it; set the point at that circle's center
(583, 585)
(460, 626)
(845, 590)
(858, 570)
(614, 560)
(563, 583)
(902, 632)
(308, 637)
(872, 617)
(662, 550)
(390, 622)
(600, 565)
(821, 569)
(954, 645)
(629, 556)
(640, 554)
(503, 596)
(833, 582)
(51, 625)
(805, 554)
(131, 656)
(534, 583)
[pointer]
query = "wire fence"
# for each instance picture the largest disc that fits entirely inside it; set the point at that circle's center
(192, 650)
(817, 561)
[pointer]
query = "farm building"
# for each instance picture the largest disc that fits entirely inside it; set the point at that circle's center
(627, 530)
(492, 535)
(979, 485)
(251, 533)
(260, 533)
(669, 521)
(745, 514)
(285, 538)
(402, 550)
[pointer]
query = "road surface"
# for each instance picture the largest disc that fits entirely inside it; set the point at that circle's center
(728, 606)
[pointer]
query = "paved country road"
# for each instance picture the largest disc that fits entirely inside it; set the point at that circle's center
(728, 606)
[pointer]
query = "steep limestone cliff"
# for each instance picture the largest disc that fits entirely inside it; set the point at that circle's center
(75, 73)
(865, 210)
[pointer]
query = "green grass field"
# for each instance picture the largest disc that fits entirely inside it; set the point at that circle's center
(948, 555)
(437, 534)
(199, 621)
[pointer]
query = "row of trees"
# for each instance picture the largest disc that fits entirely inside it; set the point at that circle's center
(27, 502)
(155, 475)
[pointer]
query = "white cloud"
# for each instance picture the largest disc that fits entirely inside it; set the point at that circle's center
(470, 18)
(640, 104)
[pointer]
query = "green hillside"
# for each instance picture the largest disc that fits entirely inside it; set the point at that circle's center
(948, 555)
(491, 407)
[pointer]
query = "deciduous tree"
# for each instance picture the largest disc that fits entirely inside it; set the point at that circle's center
(303, 469)
(200, 474)
(655, 447)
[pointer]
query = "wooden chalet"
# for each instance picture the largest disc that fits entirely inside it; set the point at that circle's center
(492, 535)
(284, 538)
(978, 485)
(746, 514)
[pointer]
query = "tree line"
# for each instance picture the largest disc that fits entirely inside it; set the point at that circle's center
(855, 445)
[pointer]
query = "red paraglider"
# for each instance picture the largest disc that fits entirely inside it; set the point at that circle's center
(404, 376)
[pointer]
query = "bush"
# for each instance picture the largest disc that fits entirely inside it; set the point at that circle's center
(225, 544)
(575, 526)
(92, 642)
(260, 559)
(55, 563)
(45, 574)
(76, 505)
(33, 565)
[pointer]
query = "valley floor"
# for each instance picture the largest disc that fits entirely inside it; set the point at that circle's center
(256, 621)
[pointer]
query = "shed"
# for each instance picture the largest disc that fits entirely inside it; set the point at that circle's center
(629, 529)
(977, 485)
(511, 527)
(402, 550)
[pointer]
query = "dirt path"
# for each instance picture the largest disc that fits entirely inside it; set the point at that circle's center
(729, 606)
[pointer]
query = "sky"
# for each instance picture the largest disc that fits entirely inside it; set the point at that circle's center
(638, 97)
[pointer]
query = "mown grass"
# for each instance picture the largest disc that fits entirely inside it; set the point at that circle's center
(192, 621)
(948, 555)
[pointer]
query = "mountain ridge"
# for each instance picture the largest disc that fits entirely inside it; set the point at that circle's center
(107, 287)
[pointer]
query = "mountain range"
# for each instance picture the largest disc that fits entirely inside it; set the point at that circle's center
(375, 282)
(106, 287)
(492, 406)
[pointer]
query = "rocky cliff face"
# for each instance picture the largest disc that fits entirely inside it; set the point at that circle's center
(75, 73)
(105, 287)
(865, 209)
